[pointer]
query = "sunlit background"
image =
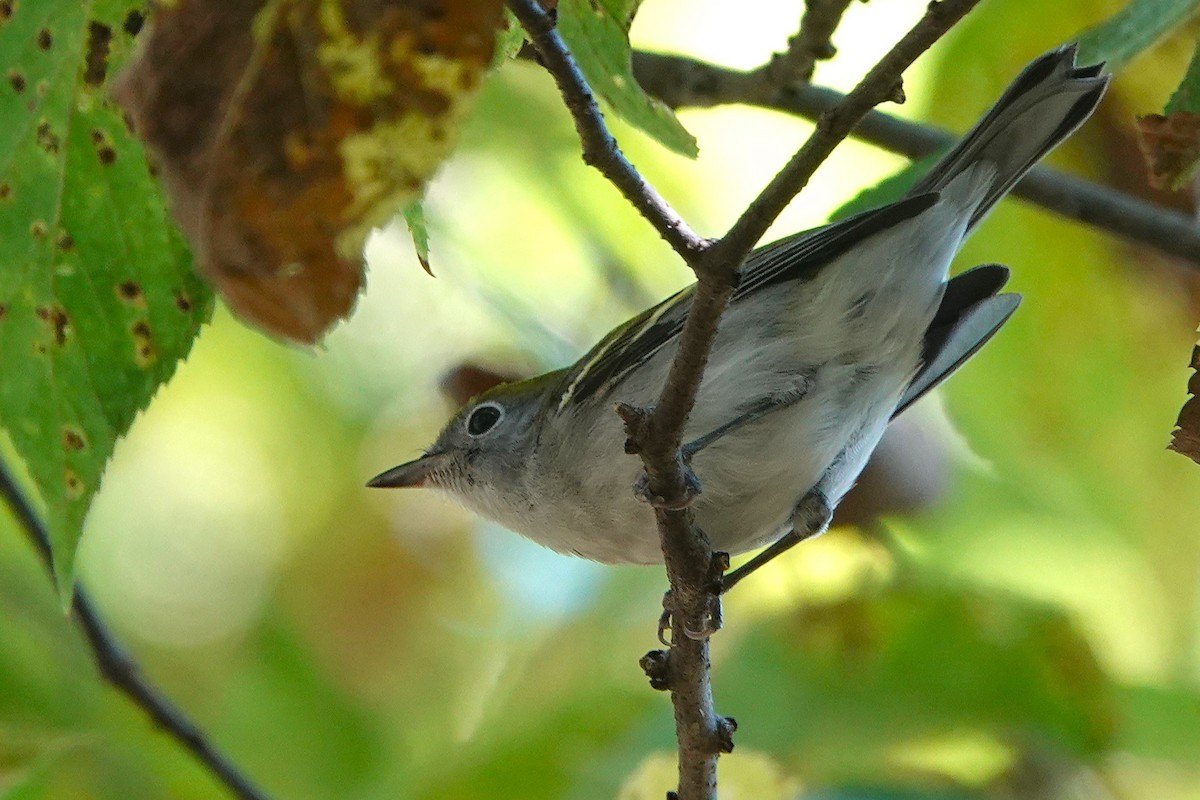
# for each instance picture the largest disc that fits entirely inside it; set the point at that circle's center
(1032, 632)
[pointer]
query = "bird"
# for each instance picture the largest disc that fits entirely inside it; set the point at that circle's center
(829, 334)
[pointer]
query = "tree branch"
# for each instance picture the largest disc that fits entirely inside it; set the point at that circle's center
(680, 81)
(656, 434)
(118, 668)
(600, 148)
(811, 44)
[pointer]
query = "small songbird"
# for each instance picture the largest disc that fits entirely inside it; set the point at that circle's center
(830, 333)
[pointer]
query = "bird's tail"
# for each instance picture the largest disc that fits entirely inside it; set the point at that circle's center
(1043, 106)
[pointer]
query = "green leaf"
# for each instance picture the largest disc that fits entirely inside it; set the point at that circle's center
(509, 39)
(1187, 96)
(414, 218)
(97, 298)
(598, 35)
(1133, 29)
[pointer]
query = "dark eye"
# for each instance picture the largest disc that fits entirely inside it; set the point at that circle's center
(483, 419)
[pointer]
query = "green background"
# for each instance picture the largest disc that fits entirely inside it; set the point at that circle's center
(1033, 633)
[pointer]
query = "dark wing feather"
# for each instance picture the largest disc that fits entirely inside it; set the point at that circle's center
(970, 313)
(796, 257)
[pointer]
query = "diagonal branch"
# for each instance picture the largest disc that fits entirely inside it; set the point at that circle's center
(119, 669)
(680, 82)
(600, 148)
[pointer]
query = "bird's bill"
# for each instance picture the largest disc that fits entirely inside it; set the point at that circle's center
(413, 474)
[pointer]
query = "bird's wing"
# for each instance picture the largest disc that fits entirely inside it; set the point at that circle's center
(970, 313)
(796, 257)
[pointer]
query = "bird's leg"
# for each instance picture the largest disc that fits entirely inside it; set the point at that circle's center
(810, 517)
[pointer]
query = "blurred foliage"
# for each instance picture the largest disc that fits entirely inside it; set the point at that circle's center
(1132, 29)
(1035, 636)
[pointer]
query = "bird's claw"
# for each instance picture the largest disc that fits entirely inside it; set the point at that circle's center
(691, 490)
(710, 618)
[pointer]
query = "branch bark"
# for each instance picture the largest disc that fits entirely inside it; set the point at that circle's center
(682, 82)
(119, 669)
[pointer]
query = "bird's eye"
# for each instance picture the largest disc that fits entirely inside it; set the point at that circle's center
(483, 419)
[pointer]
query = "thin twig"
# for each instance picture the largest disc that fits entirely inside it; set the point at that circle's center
(812, 43)
(680, 81)
(600, 148)
(118, 668)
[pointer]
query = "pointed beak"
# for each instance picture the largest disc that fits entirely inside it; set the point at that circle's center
(413, 474)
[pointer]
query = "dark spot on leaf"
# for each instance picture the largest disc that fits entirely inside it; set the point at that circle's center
(183, 302)
(57, 320)
(5, 191)
(47, 139)
(37, 229)
(6, 10)
(16, 80)
(104, 149)
(44, 39)
(99, 39)
(134, 21)
(73, 438)
(39, 348)
(64, 242)
(74, 485)
(144, 351)
(131, 292)
(3, 311)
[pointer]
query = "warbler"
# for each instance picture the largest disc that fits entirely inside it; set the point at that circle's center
(829, 334)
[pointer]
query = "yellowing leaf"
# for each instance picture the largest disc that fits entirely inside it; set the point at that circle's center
(319, 120)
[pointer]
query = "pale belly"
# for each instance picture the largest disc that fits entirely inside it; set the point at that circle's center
(751, 479)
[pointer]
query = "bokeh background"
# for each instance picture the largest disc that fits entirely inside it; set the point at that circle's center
(1033, 631)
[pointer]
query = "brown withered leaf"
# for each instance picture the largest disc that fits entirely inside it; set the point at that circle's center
(1171, 146)
(1186, 437)
(285, 129)
(468, 380)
